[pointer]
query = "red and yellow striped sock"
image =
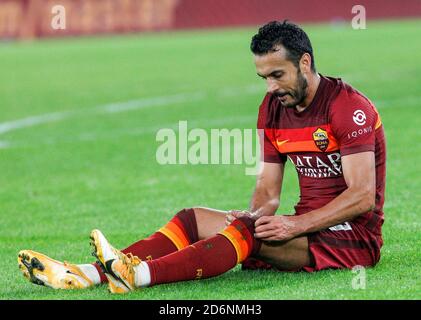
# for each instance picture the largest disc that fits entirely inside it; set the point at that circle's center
(178, 233)
(207, 258)
(240, 234)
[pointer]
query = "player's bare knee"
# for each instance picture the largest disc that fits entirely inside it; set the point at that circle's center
(196, 210)
(290, 255)
(209, 221)
(199, 212)
(206, 213)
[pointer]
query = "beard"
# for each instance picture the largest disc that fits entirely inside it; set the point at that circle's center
(298, 94)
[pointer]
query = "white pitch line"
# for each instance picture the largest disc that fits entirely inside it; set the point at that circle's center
(112, 108)
(116, 134)
(117, 107)
(29, 122)
(32, 121)
(108, 108)
(150, 102)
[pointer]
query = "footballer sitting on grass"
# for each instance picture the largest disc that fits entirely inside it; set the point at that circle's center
(331, 133)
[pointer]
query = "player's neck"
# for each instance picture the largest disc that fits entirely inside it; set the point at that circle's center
(312, 84)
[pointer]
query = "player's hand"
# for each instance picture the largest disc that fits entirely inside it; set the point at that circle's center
(235, 214)
(276, 228)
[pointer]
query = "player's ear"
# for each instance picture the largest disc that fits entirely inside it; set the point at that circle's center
(305, 63)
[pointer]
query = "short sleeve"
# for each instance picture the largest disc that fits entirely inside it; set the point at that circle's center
(354, 120)
(268, 152)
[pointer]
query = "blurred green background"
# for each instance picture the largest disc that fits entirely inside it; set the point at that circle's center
(68, 165)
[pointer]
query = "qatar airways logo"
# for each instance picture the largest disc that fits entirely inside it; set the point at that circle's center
(323, 166)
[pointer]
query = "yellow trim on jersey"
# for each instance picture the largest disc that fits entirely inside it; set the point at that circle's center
(378, 123)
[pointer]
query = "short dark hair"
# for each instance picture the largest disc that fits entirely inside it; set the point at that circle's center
(287, 34)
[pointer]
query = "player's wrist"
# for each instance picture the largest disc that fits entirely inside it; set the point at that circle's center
(301, 225)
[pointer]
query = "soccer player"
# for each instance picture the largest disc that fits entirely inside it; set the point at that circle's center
(333, 136)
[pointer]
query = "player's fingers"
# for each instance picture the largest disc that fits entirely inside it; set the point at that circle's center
(264, 235)
(238, 213)
(262, 220)
(229, 219)
(264, 227)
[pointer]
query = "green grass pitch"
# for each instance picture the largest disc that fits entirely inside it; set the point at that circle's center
(93, 169)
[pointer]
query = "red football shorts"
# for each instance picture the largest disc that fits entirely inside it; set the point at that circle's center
(340, 247)
(344, 246)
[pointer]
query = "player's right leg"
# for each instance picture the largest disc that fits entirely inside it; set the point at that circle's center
(186, 228)
(203, 259)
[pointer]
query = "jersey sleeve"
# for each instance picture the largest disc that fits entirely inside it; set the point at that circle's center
(353, 120)
(268, 152)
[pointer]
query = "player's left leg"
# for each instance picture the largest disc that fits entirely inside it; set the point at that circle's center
(187, 227)
(203, 259)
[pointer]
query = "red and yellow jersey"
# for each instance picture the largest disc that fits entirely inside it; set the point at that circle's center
(338, 122)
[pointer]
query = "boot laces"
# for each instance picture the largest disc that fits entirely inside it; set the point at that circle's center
(129, 261)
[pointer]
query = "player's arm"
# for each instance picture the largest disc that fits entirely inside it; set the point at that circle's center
(360, 176)
(265, 199)
(358, 198)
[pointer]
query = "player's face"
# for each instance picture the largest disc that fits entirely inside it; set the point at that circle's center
(284, 79)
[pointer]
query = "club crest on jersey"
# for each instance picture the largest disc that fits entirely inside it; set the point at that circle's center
(321, 139)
